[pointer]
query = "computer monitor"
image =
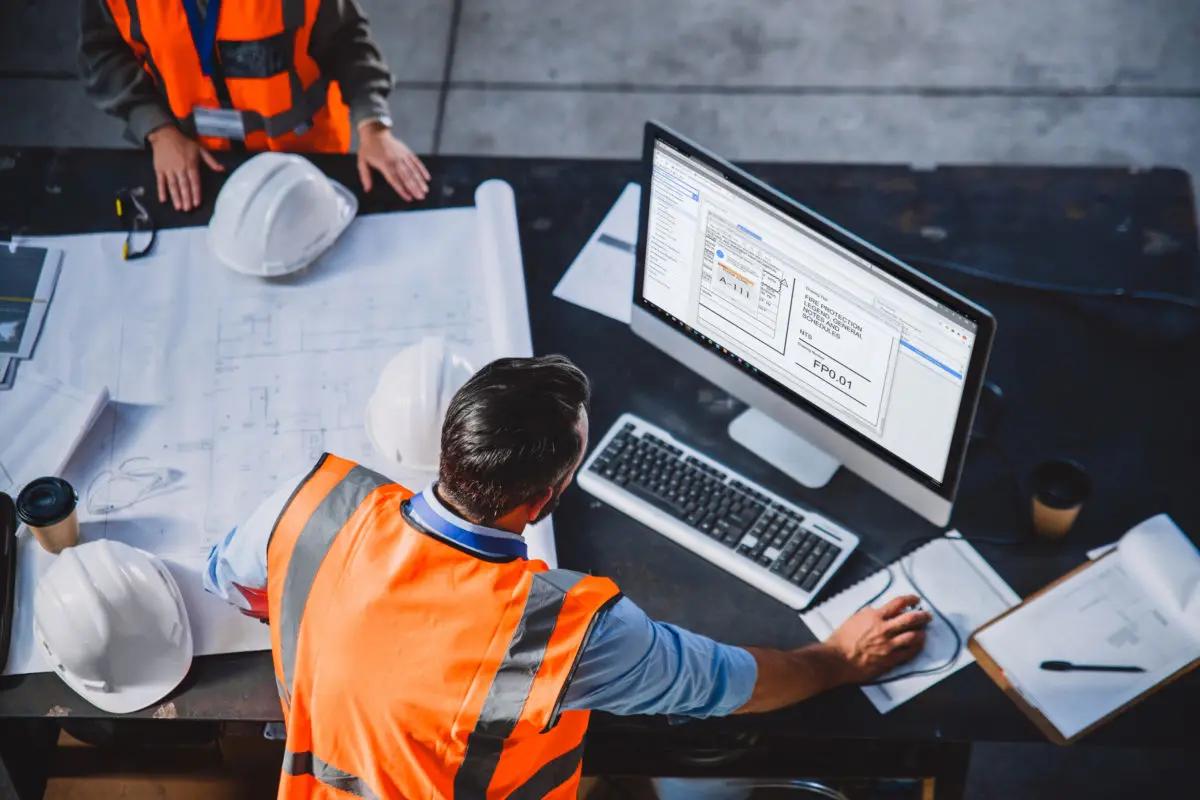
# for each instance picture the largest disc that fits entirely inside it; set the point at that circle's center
(844, 354)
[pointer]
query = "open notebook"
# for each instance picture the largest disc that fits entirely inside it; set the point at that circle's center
(1138, 605)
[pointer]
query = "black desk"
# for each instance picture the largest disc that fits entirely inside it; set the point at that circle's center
(1110, 382)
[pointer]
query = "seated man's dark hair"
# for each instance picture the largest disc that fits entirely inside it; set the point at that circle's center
(510, 434)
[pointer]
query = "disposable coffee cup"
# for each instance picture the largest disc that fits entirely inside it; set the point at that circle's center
(47, 506)
(1060, 488)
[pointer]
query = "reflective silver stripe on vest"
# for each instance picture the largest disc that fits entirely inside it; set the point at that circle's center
(514, 679)
(552, 775)
(308, 764)
(295, 118)
(309, 551)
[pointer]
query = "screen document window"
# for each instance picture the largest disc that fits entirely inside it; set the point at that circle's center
(790, 304)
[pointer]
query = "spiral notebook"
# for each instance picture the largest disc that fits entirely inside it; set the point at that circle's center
(950, 574)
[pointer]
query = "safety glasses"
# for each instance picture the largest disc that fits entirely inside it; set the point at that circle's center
(140, 231)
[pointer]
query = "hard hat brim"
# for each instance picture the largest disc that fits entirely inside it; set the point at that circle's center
(134, 698)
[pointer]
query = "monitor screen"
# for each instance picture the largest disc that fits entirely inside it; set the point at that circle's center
(800, 312)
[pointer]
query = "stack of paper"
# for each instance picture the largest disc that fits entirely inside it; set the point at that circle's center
(42, 422)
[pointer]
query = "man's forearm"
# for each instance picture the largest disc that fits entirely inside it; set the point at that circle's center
(786, 677)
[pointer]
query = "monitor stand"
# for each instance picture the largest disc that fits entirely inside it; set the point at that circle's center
(803, 461)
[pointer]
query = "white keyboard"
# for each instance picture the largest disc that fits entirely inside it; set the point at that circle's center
(785, 550)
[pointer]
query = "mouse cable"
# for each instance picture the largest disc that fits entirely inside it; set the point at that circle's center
(1053, 288)
(906, 549)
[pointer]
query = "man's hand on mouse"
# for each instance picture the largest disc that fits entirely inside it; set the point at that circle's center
(875, 640)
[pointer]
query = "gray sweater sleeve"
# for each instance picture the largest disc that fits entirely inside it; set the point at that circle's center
(112, 76)
(342, 46)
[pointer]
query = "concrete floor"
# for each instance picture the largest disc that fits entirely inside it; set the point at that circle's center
(920, 81)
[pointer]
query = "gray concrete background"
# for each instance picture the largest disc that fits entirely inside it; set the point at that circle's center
(900, 81)
(1114, 82)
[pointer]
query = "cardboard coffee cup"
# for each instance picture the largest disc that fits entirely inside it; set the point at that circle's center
(47, 506)
(1060, 488)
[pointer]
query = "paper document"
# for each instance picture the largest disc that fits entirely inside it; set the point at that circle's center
(8, 372)
(42, 422)
(113, 322)
(251, 380)
(1138, 606)
(949, 574)
(601, 277)
(27, 279)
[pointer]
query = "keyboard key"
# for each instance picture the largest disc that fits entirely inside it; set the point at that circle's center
(806, 545)
(726, 526)
(656, 500)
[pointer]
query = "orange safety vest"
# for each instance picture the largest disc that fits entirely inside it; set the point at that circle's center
(266, 72)
(410, 668)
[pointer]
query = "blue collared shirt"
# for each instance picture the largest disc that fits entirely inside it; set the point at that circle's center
(630, 664)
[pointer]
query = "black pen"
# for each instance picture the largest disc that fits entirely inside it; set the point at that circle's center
(1067, 666)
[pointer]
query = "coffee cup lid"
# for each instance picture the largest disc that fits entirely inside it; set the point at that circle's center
(1061, 483)
(46, 501)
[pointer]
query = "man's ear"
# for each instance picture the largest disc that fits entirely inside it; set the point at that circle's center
(535, 506)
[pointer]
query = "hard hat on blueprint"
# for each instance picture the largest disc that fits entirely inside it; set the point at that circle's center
(276, 214)
(405, 414)
(110, 620)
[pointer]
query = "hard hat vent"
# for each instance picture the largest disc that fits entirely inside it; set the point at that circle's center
(276, 214)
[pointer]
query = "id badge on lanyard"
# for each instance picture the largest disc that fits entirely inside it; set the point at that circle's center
(223, 123)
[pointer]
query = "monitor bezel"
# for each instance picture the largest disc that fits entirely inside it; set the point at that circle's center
(984, 321)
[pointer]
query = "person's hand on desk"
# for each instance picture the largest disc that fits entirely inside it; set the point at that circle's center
(866, 646)
(379, 149)
(876, 640)
(177, 166)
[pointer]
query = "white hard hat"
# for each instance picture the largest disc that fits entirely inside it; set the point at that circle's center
(111, 622)
(276, 214)
(404, 415)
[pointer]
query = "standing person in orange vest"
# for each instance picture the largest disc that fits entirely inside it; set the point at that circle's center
(419, 652)
(190, 76)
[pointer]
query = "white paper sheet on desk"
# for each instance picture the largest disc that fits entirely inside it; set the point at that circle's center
(601, 277)
(42, 422)
(111, 322)
(950, 574)
(260, 377)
